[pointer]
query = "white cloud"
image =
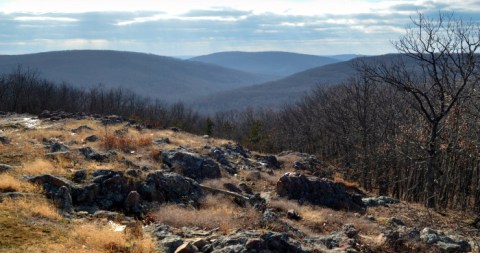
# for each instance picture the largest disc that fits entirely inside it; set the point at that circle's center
(43, 18)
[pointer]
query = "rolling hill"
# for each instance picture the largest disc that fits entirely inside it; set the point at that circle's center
(274, 65)
(275, 94)
(151, 75)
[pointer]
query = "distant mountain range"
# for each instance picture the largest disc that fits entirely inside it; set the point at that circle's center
(151, 75)
(274, 94)
(274, 65)
(216, 82)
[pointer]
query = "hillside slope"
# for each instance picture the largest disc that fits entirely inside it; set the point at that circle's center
(275, 94)
(74, 185)
(147, 74)
(272, 64)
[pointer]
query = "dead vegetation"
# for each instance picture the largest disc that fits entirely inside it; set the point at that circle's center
(215, 212)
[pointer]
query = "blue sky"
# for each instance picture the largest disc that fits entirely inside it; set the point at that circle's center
(195, 27)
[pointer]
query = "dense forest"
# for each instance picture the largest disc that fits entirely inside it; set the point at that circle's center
(408, 127)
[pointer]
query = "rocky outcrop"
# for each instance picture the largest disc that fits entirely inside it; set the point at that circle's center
(170, 187)
(318, 191)
(91, 154)
(240, 241)
(112, 190)
(444, 242)
(191, 164)
(268, 161)
(379, 201)
(310, 163)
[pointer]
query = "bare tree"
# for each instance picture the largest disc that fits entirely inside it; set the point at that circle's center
(440, 68)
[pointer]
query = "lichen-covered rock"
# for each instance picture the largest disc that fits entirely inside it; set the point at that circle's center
(268, 161)
(170, 187)
(91, 154)
(191, 164)
(50, 183)
(64, 199)
(318, 191)
(379, 201)
(4, 140)
(5, 168)
(444, 242)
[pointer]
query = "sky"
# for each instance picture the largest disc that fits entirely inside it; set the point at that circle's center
(197, 27)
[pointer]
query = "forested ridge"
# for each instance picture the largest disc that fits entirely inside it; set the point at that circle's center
(408, 127)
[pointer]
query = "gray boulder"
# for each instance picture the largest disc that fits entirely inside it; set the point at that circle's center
(379, 201)
(444, 242)
(170, 187)
(91, 154)
(4, 140)
(5, 168)
(191, 164)
(64, 199)
(318, 191)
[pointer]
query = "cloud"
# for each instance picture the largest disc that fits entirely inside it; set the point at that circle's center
(217, 12)
(44, 18)
(205, 30)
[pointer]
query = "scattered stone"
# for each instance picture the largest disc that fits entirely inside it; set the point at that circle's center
(293, 215)
(91, 154)
(245, 188)
(349, 230)
(4, 140)
(446, 243)
(268, 161)
(80, 175)
(414, 234)
(91, 138)
(231, 187)
(318, 191)
(394, 221)
(44, 114)
(5, 168)
(191, 164)
(171, 244)
(186, 247)
(200, 243)
(81, 129)
(162, 141)
(379, 201)
(175, 129)
(58, 147)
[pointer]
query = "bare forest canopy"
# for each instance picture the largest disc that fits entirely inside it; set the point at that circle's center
(405, 126)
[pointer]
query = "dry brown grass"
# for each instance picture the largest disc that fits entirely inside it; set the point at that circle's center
(349, 184)
(34, 225)
(215, 212)
(125, 143)
(319, 220)
(31, 207)
(39, 166)
(101, 238)
(156, 154)
(9, 183)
